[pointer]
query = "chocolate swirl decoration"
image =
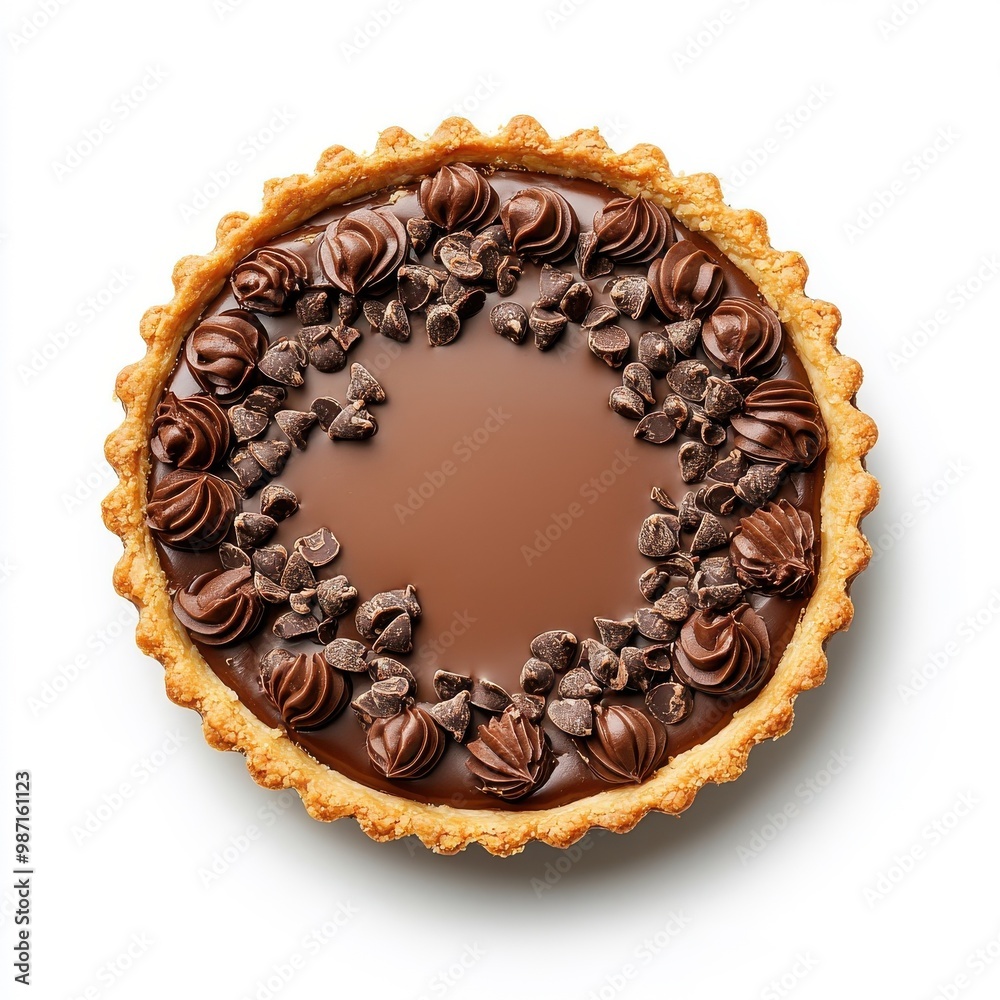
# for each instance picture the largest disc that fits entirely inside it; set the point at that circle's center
(407, 745)
(686, 282)
(773, 550)
(512, 756)
(780, 422)
(743, 336)
(627, 745)
(723, 653)
(306, 690)
(191, 510)
(458, 197)
(265, 279)
(363, 249)
(221, 352)
(219, 607)
(632, 230)
(191, 433)
(540, 224)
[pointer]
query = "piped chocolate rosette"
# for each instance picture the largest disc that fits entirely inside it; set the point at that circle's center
(328, 563)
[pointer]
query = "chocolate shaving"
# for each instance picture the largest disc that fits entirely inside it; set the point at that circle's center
(269, 591)
(314, 306)
(416, 285)
(248, 471)
(758, 484)
(387, 695)
(639, 378)
(301, 602)
(323, 350)
(721, 398)
(385, 667)
(603, 663)
(508, 272)
(730, 469)
(675, 604)
(421, 232)
(590, 263)
(676, 409)
(326, 631)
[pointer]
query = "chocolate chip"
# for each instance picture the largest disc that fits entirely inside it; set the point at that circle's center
(443, 325)
(656, 351)
(464, 300)
(579, 683)
(387, 695)
(676, 409)
(297, 574)
(614, 634)
(347, 655)
(531, 706)
(323, 352)
(270, 455)
(292, 625)
(272, 659)
(246, 423)
(270, 560)
(694, 460)
(711, 433)
(326, 409)
(374, 312)
(626, 402)
(326, 631)
(447, 684)
(574, 716)
(248, 471)
(716, 595)
(253, 529)
(654, 624)
(639, 378)
(603, 664)
(394, 323)
(453, 715)
(318, 548)
(689, 379)
(591, 263)
(364, 387)
(353, 423)
(716, 570)
(346, 336)
(266, 399)
(730, 469)
(689, 513)
(494, 234)
(486, 253)
(537, 676)
(556, 648)
(610, 344)
(552, 286)
(684, 335)
(314, 306)
(719, 498)
(508, 272)
(421, 232)
(744, 385)
(416, 285)
(658, 535)
(269, 591)
(675, 604)
(296, 425)
(663, 499)
(233, 557)
(632, 295)
(335, 595)
(546, 325)
(464, 267)
(575, 303)
(669, 702)
(654, 581)
(638, 676)
(384, 667)
(278, 501)
(367, 710)
(510, 320)
(301, 601)
(283, 362)
(397, 637)
(721, 399)
(600, 315)
(758, 484)
(375, 613)
(489, 697)
(655, 428)
(348, 308)
(452, 245)
(657, 658)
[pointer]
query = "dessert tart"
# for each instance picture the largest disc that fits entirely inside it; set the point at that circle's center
(489, 488)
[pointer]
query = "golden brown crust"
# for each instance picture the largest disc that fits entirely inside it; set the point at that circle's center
(696, 200)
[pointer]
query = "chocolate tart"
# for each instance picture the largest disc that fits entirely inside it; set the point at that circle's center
(489, 488)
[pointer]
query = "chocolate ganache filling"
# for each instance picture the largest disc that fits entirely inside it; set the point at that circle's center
(495, 490)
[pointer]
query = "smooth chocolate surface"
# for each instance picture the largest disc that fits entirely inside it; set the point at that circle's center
(503, 487)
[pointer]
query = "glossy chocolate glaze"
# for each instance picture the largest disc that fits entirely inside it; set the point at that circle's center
(486, 451)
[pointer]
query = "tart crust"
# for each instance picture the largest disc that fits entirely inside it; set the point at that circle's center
(849, 492)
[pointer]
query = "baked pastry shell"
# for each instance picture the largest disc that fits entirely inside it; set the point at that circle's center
(696, 200)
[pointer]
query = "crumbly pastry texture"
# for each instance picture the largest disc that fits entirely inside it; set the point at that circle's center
(849, 492)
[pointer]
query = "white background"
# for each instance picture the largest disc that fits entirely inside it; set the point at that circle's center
(858, 855)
